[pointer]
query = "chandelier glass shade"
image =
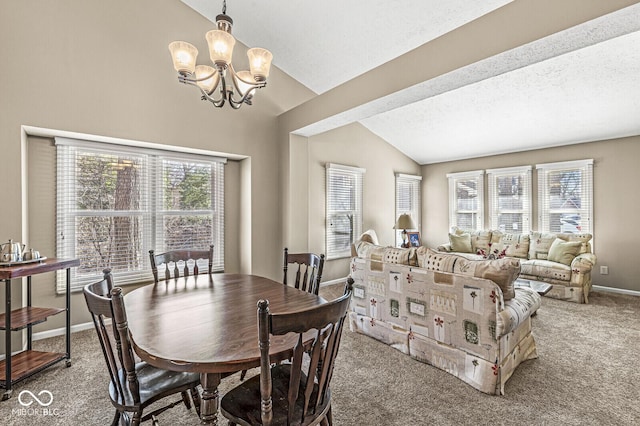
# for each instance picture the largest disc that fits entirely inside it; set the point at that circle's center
(220, 83)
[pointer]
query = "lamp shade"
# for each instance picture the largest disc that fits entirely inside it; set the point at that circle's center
(405, 222)
(220, 47)
(244, 80)
(259, 63)
(207, 84)
(184, 56)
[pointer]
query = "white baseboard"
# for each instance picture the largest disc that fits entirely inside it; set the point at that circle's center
(51, 333)
(615, 290)
(60, 331)
(332, 282)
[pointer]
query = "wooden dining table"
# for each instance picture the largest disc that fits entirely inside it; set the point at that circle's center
(208, 324)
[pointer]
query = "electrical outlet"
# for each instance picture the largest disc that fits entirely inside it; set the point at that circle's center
(604, 270)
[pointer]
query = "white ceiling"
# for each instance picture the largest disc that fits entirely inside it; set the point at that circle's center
(580, 85)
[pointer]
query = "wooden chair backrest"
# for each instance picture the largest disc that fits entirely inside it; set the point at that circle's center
(309, 270)
(310, 378)
(106, 302)
(176, 263)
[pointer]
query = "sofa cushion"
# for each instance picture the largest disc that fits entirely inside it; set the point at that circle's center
(564, 251)
(480, 240)
(514, 245)
(503, 272)
(545, 270)
(460, 243)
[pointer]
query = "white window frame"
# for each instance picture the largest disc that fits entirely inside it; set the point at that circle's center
(454, 178)
(408, 189)
(523, 173)
(585, 168)
(335, 249)
(150, 211)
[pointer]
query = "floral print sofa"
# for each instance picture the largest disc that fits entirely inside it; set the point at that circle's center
(563, 260)
(445, 310)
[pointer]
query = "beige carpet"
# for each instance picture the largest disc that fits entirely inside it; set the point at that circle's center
(587, 373)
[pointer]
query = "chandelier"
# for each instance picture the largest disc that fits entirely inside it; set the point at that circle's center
(221, 83)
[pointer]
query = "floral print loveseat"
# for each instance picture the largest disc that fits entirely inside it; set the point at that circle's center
(563, 260)
(462, 316)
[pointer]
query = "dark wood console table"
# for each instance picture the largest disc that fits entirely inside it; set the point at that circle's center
(26, 363)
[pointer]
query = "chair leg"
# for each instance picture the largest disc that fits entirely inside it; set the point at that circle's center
(137, 416)
(186, 399)
(243, 375)
(329, 417)
(195, 397)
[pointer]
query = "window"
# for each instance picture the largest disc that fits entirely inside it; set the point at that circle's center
(565, 192)
(407, 200)
(115, 203)
(466, 199)
(344, 208)
(510, 199)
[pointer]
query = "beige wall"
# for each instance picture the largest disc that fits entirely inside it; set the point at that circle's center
(354, 145)
(103, 68)
(615, 173)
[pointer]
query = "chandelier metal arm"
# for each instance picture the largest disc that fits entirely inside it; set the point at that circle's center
(192, 81)
(226, 90)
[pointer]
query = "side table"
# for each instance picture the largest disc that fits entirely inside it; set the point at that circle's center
(28, 362)
(539, 287)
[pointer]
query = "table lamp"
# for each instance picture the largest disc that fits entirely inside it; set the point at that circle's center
(405, 222)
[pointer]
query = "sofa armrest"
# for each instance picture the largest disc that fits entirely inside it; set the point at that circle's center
(517, 310)
(584, 262)
(444, 247)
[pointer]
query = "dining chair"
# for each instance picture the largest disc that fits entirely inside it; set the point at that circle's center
(308, 272)
(307, 275)
(294, 392)
(176, 262)
(133, 385)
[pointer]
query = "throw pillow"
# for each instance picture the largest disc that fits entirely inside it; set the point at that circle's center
(513, 245)
(401, 256)
(540, 244)
(503, 272)
(460, 243)
(480, 240)
(564, 251)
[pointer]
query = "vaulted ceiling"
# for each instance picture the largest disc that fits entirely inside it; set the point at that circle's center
(579, 85)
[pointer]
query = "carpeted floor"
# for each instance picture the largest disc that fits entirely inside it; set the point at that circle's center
(587, 373)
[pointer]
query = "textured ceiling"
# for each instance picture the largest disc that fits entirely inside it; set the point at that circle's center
(576, 86)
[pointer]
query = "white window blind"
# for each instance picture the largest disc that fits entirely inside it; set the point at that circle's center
(115, 203)
(466, 199)
(565, 196)
(510, 199)
(407, 200)
(344, 187)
